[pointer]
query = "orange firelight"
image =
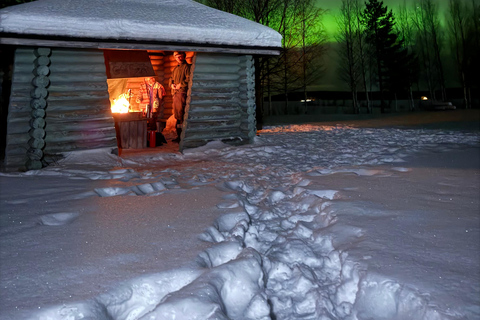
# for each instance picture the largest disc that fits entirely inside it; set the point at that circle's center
(121, 104)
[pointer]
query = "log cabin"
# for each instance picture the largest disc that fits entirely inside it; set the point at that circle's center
(71, 60)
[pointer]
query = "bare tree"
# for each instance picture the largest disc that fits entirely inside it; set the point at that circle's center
(309, 29)
(429, 42)
(405, 30)
(348, 50)
(458, 27)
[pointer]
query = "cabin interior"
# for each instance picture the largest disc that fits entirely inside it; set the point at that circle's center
(126, 70)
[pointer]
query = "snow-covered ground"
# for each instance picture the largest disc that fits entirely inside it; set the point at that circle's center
(310, 222)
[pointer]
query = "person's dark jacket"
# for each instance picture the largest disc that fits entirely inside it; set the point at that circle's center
(181, 75)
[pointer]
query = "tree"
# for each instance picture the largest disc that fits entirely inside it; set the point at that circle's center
(429, 45)
(309, 47)
(348, 50)
(458, 37)
(463, 34)
(391, 59)
(406, 32)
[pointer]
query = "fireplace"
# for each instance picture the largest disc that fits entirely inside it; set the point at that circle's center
(126, 71)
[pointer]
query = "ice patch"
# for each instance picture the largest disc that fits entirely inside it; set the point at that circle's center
(58, 219)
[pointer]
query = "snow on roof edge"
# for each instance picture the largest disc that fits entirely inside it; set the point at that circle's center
(206, 26)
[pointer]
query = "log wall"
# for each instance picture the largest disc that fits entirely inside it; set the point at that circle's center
(68, 90)
(221, 101)
(77, 111)
(163, 67)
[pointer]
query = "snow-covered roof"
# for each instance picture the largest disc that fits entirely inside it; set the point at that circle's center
(172, 21)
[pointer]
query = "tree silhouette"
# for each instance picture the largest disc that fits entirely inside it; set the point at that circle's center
(353, 52)
(430, 46)
(391, 60)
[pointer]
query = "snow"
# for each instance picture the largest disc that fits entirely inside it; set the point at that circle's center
(182, 21)
(312, 221)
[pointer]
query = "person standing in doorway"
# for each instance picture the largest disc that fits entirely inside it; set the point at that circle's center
(179, 85)
(151, 95)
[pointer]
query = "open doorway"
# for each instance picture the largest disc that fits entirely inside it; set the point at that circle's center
(6, 68)
(138, 124)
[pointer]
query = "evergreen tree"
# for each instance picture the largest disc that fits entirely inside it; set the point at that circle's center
(393, 65)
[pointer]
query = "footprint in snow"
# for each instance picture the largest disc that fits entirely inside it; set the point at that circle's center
(58, 219)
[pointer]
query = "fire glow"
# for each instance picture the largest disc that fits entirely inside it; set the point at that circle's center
(121, 104)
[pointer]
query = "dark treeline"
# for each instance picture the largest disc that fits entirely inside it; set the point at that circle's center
(396, 56)
(391, 55)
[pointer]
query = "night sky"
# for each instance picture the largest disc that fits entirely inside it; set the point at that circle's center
(334, 7)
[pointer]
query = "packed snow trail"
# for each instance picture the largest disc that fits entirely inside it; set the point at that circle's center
(279, 249)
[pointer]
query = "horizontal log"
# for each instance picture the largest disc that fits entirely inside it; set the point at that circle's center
(78, 86)
(38, 113)
(80, 104)
(37, 133)
(33, 164)
(41, 61)
(64, 136)
(214, 108)
(64, 95)
(85, 125)
(214, 101)
(230, 130)
(17, 144)
(76, 56)
(39, 93)
(214, 84)
(18, 125)
(214, 115)
(34, 154)
(215, 96)
(217, 59)
(218, 77)
(24, 56)
(41, 71)
(73, 76)
(233, 91)
(78, 67)
(38, 104)
(213, 125)
(18, 107)
(62, 147)
(23, 79)
(37, 123)
(42, 51)
(15, 162)
(36, 143)
(41, 81)
(94, 113)
(216, 68)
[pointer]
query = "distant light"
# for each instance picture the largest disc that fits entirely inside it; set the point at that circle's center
(424, 98)
(308, 100)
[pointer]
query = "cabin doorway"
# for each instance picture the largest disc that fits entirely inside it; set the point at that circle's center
(138, 127)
